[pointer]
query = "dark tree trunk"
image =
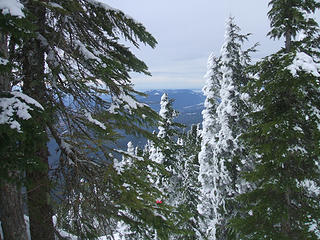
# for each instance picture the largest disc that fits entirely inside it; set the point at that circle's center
(11, 207)
(40, 211)
(288, 37)
(4, 76)
(12, 220)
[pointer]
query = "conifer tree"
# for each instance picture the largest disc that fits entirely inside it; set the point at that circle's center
(76, 68)
(169, 152)
(284, 136)
(227, 153)
(210, 128)
(189, 162)
(17, 125)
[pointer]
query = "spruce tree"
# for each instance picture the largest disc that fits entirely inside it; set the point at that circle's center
(226, 156)
(168, 152)
(284, 136)
(210, 127)
(75, 66)
(189, 162)
(17, 124)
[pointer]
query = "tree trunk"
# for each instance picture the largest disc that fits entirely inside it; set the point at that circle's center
(38, 189)
(11, 207)
(288, 37)
(4, 76)
(12, 220)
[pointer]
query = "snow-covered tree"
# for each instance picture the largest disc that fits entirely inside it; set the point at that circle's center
(169, 151)
(222, 154)
(284, 135)
(210, 127)
(189, 170)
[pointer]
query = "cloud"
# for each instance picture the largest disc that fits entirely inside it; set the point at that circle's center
(183, 74)
(188, 31)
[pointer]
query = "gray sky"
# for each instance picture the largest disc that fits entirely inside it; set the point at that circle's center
(187, 32)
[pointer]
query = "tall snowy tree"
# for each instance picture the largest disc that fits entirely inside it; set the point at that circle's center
(210, 127)
(284, 136)
(226, 155)
(189, 171)
(169, 153)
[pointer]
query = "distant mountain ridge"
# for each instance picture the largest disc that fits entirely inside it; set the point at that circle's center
(188, 102)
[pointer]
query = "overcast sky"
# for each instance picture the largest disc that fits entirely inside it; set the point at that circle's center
(187, 32)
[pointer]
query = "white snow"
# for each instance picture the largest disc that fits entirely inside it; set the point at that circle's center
(15, 107)
(27, 99)
(304, 62)
(3, 61)
(310, 186)
(95, 121)
(86, 52)
(118, 166)
(98, 3)
(56, 5)
(125, 101)
(164, 103)
(12, 7)
(209, 169)
(67, 148)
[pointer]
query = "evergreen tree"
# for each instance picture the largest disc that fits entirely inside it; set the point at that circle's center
(226, 153)
(168, 151)
(284, 136)
(17, 125)
(210, 128)
(189, 162)
(76, 68)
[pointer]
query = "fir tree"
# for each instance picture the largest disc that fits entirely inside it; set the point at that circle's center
(18, 130)
(75, 67)
(284, 136)
(226, 154)
(189, 162)
(207, 205)
(168, 151)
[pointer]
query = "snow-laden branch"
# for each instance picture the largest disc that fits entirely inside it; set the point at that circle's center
(304, 62)
(124, 101)
(12, 7)
(94, 121)
(17, 107)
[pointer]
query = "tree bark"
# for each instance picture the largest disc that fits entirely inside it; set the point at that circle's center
(4, 76)
(12, 219)
(288, 37)
(38, 189)
(11, 206)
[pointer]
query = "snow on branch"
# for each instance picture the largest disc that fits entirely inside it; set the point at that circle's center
(94, 121)
(125, 101)
(17, 106)
(11, 7)
(105, 6)
(304, 62)
(101, 4)
(3, 61)
(86, 52)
